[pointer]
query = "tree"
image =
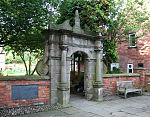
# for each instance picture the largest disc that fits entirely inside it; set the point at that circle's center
(21, 23)
(112, 18)
(33, 50)
(96, 14)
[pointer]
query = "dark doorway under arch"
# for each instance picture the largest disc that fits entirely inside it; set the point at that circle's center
(77, 73)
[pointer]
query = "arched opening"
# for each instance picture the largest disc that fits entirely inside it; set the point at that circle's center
(77, 73)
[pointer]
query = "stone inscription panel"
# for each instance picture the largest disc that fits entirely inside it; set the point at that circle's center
(19, 92)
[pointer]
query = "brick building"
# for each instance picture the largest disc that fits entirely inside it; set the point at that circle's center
(134, 53)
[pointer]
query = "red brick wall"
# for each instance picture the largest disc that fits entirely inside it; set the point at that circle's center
(142, 73)
(5, 93)
(110, 83)
(147, 82)
(140, 54)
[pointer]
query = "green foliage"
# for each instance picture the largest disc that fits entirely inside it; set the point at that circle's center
(19, 18)
(114, 19)
(1, 73)
(110, 53)
(12, 59)
(115, 71)
(21, 23)
(94, 13)
(21, 55)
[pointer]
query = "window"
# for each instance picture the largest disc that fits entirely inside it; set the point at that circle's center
(132, 40)
(114, 66)
(129, 68)
(140, 65)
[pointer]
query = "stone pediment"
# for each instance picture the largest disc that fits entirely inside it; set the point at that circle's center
(65, 26)
(76, 28)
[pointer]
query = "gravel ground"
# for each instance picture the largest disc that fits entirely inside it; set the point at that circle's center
(11, 112)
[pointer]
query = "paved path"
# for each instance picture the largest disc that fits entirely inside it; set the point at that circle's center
(131, 107)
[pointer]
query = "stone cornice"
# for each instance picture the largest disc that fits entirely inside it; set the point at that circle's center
(71, 33)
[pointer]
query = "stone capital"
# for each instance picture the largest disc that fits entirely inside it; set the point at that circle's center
(64, 47)
(100, 48)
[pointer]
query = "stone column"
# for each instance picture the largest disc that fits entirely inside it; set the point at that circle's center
(98, 86)
(88, 77)
(63, 87)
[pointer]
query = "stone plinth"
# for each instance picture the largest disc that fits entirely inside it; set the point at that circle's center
(98, 91)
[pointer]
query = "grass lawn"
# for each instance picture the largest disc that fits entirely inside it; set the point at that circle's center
(13, 73)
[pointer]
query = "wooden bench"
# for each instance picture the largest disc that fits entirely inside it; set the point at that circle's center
(125, 87)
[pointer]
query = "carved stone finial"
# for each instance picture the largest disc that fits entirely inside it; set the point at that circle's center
(77, 19)
(77, 13)
(77, 28)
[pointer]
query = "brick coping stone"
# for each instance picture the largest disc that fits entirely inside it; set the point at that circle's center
(121, 75)
(140, 68)
(147, 74)
(20, 78)
(32, 78)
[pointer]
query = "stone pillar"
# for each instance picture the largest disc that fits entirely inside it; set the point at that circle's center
(142, 72)
(63, 85)
(89, 73)
(98, 86)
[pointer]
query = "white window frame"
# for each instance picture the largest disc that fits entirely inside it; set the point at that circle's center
(130, 40)
(129, 68)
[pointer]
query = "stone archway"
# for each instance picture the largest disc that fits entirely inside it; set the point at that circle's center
(61, 42)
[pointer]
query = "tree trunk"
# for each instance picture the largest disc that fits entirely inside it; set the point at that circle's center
(33, 71)
(22, 57)
(30, 63)
(38, 59)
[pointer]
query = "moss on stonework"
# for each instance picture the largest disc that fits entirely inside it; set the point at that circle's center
(140, 68)
(147, 74)
(120, 75)
(19, 78)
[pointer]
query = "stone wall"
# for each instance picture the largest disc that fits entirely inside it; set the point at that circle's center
(7, 82)
(109, 81)
(135, 55)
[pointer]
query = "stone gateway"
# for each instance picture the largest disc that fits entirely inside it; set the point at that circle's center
(63, 41)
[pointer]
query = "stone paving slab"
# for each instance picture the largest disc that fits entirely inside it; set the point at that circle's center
(79, 107)
(70, 110)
